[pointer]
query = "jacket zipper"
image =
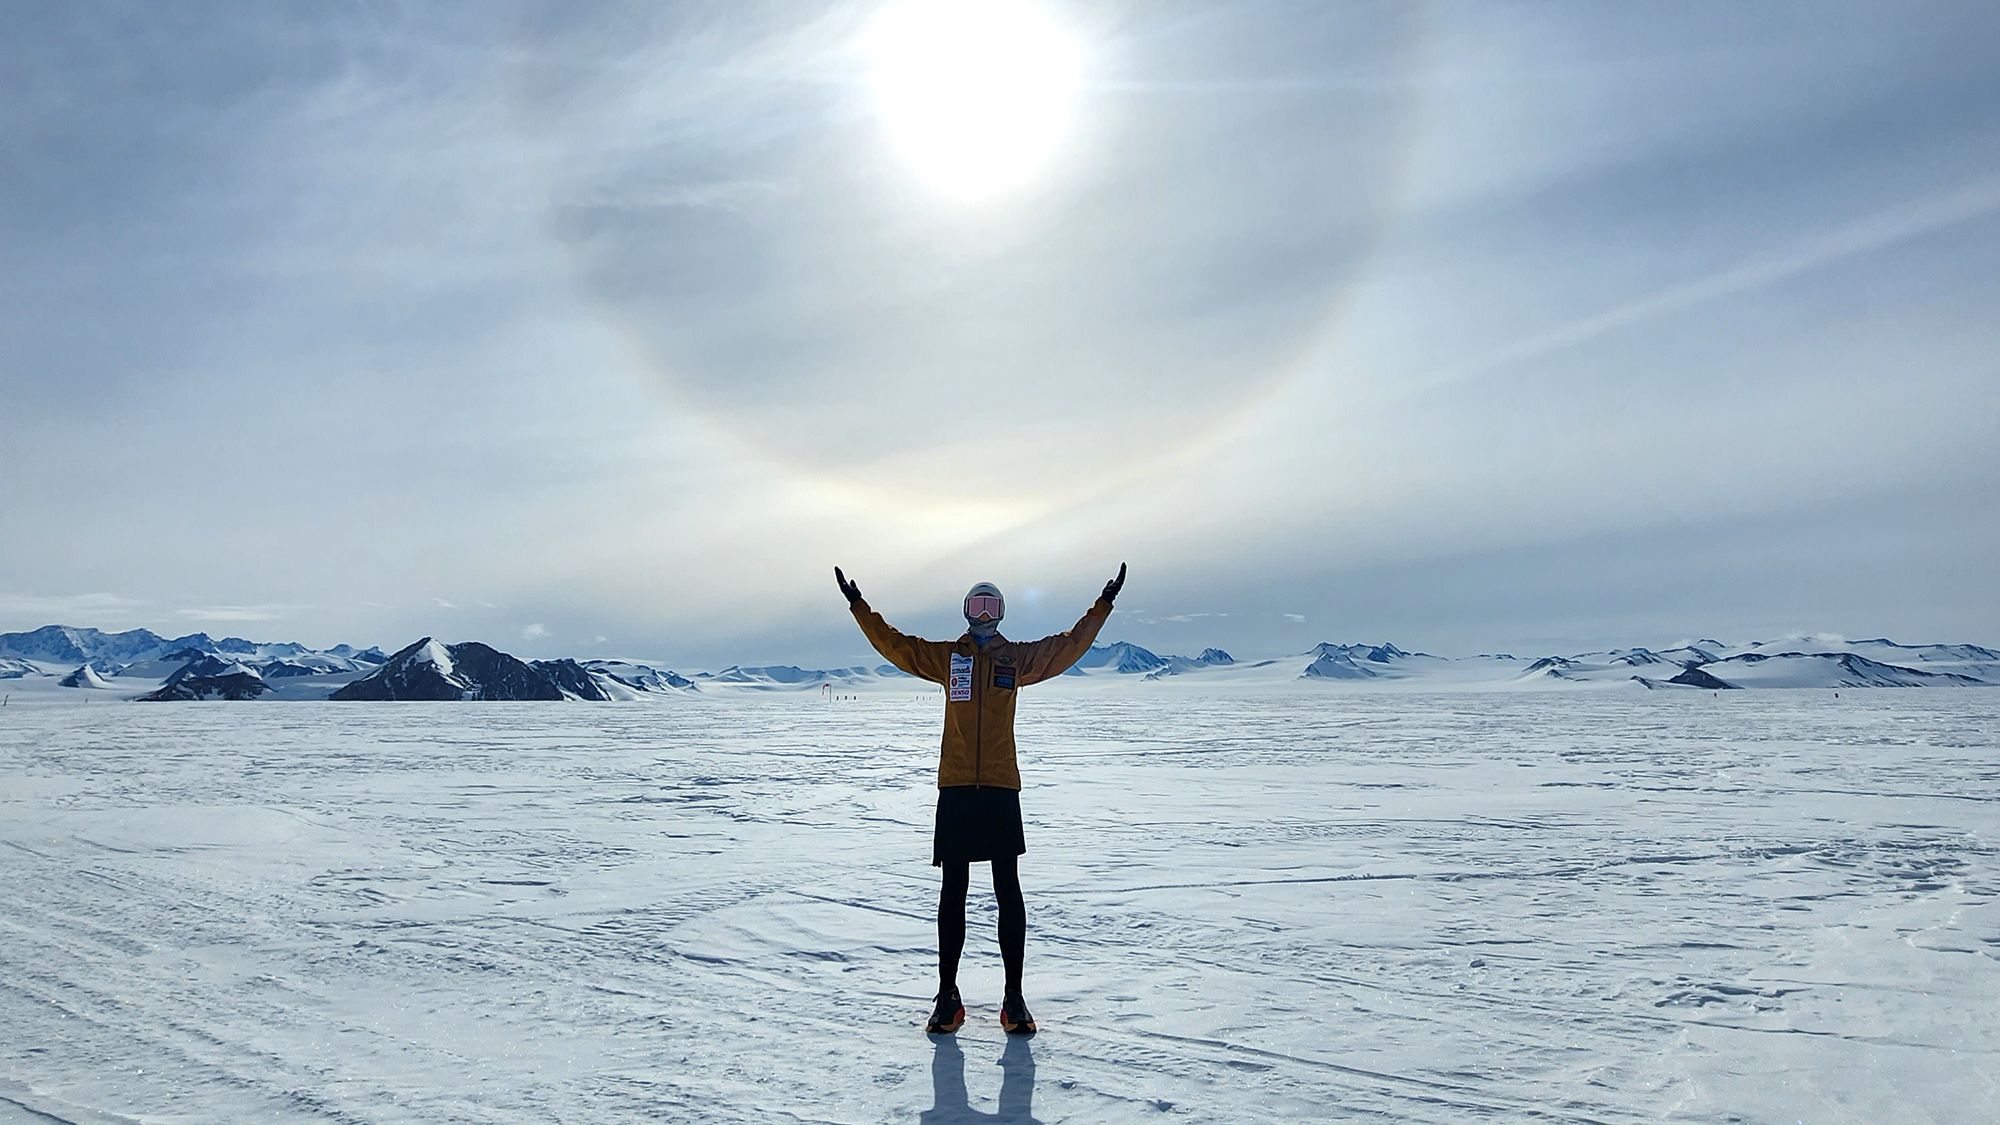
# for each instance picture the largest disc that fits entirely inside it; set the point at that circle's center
(978, 719)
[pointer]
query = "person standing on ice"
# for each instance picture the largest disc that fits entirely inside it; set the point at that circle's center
(979, 785)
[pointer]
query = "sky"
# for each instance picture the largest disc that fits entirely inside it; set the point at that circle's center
(603, 330)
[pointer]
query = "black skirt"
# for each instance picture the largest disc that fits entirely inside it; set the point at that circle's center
(976, 824)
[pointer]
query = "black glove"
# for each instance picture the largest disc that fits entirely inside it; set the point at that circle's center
(1112, 587)
(853, 592)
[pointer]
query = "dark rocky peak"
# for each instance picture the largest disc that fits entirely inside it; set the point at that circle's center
(571, 678)
(428, 670)
(237, 685)
(208, 666)
(1695, 677)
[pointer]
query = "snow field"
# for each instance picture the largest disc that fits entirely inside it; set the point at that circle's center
(1613, 907)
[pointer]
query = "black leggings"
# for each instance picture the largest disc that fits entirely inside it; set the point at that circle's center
(951, 920)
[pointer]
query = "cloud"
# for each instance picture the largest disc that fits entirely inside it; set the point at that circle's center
(720, 195)
(1912, 219)
(535, 632)
(1173, 619)
(442, 604)
(1300, 618)
(236, 612)
(66, 609)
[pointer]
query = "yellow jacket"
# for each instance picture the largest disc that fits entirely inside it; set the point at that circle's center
(980, 682)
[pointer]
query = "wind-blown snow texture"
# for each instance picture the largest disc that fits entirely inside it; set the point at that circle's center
(1600, 907)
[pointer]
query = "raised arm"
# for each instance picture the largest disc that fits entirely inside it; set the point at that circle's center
(1052, 656)
(926, 660)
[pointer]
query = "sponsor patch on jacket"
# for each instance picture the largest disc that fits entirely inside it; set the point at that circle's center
(1003, 676)
(961, 677)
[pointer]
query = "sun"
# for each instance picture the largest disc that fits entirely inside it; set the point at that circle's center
(976, 95)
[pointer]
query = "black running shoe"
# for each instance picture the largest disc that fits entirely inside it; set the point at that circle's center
(1014, 1017)
(947, 1015)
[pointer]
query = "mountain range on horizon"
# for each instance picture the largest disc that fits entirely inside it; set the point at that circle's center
(142, 664)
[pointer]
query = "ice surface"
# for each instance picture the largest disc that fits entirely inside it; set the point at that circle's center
(1600, 906)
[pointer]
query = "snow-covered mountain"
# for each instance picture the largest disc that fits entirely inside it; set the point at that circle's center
(109, 653)
(85, 676)
(11, 669)
(1361, 662)
(1787, 662)
(1827, 670)
(64, 644)
(637, 677)
(777, 677)
(1175, 665)
(1122, 657)
(428, 670)
(210, 678)
(141, 664)
(1817, 661)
